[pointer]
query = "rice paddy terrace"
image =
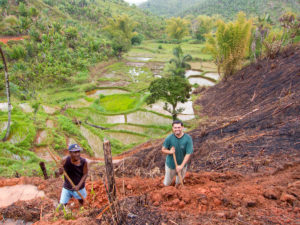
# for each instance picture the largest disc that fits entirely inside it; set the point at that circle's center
(107, 102)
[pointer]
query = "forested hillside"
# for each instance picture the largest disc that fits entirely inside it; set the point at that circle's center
(226, 8)
(168, 7)
(66, 36)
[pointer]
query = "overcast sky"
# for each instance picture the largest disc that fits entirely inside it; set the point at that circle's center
(135, 1)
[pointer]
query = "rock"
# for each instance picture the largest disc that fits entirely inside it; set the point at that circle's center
(251, 203)
(186, 199)
(296, 210)
(156, 203)
(287, 198)
(271, 194)
(41, 187)
(230, 215)
(181, 204)
(202, 208)
(156, 197)
(28, 216)
(169, 192)
(175, 202)
(217, 202)
(204, 201)
(129, 187)
(220, 214)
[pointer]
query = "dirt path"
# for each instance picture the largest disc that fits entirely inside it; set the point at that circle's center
(6, 39)
(11, 194)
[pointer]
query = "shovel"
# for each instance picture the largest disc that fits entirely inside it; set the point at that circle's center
(179, 174)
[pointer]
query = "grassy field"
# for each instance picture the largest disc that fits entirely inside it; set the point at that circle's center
(162, 52)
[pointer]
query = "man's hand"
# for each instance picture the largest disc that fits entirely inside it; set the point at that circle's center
(179, 168)
(172, 150)
(76, 188)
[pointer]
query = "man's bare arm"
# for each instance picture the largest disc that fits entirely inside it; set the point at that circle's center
(167, 151)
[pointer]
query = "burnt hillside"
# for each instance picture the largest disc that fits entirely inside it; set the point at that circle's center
(253, 122)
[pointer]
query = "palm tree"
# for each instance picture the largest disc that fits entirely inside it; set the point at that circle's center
(8, 95)
(180, 62)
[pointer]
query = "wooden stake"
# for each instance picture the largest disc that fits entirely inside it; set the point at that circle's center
(111, 183)
(44, 170)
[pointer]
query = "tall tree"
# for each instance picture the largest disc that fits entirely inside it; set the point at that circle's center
(171, 90)
(177, 28)
(228, 46)
(7, 94)
(202, 25)
(121, 31)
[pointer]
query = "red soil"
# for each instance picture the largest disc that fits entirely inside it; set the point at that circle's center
(6, 39)
(221, 198)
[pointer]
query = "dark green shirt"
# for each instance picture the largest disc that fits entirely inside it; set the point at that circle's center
(183, 146)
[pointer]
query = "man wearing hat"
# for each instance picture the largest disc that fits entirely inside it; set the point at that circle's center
(77, 169)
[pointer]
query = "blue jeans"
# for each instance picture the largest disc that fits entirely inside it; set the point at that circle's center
(67, 194)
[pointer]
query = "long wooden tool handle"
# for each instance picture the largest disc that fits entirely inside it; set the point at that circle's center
(65, 173)
(179, 174)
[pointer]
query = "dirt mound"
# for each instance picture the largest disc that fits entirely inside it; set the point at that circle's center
(208, 197)
(253, 122)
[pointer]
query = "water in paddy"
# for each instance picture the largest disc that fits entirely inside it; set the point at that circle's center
(151, 131)
(144, 59)
(126, 138)
(131, 128)
(94, 141)
(26, 107)
(80, 103)
(147, 118)
(187, 114)
(115, 119)
(96, 93)
(199, 80)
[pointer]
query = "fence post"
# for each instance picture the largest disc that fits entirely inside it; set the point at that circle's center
(111, 183)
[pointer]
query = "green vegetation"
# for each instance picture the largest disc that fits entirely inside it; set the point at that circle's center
(177, 28)
(179, 62)
(226, 8)
(85, 69)
(230, 44)
(172, 90)
(121, 31)
(118, 103)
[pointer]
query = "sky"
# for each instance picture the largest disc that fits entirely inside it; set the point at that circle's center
(135, 1)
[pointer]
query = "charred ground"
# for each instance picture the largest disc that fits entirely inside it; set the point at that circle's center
(252, 124)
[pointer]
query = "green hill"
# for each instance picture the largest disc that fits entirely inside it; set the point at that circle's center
(168, 7)
(227, 8)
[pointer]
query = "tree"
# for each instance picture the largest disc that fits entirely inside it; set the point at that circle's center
(180, 62)
(7, 94)
(172, 90)
(291, 26)
(121, 31)
(177, 28)
(228, 46)
(263, 25)
(202, 25)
